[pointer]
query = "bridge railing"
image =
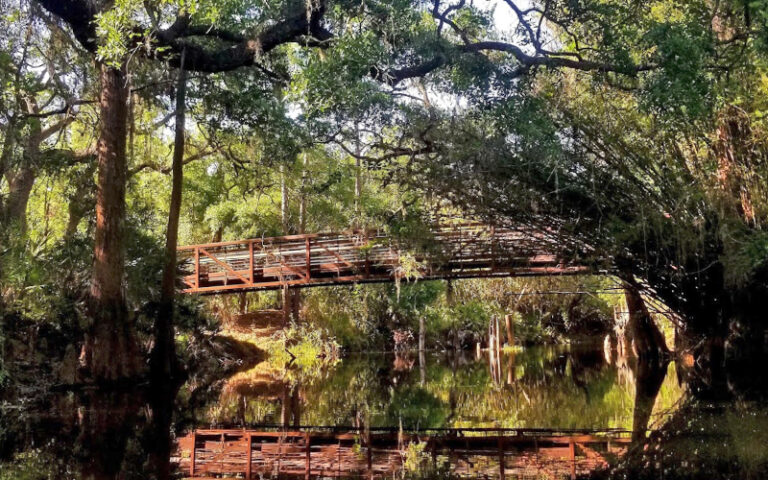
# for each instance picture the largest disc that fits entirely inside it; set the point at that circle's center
(321, 259)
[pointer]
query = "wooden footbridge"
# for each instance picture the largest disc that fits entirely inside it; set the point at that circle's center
(347, 452)
(458, 251)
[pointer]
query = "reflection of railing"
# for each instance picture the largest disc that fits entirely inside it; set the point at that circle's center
(460, 251)
(345, 452)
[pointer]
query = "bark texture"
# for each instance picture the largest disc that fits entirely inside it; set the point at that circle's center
(111, 351)
(647, 339)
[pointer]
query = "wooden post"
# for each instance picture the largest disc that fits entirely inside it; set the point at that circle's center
(492, 349)
(501, 455)
(309, 258)
(223, 448)
(249, 454)
(192, 455)
(197, 267)
(572, 452)
(250, 257)
(370, 452)
(307, 440)
(510, 330)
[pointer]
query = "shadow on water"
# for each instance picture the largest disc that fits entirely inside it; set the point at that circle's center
(88, 434)
(602, 417)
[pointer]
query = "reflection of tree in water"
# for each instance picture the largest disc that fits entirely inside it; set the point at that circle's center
(718, 430)
(539, 387)
(90, 434)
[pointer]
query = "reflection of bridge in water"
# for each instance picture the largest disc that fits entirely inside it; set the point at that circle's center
(458, 251)
(351, 452)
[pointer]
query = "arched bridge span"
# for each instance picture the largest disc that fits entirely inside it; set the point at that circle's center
(457, 251)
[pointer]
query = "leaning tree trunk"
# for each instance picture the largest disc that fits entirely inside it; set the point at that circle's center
(647, 339)
(164, 352)
(111, 350)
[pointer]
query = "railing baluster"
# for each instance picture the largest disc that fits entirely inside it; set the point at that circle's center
(466, 252)
(250, 258)
(249, 440)
(192, 455)
(197, 267)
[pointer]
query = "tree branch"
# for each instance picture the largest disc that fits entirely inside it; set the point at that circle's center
(302, 26)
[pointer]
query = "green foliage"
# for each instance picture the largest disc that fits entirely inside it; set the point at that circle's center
(682, 87)
(33, 464)
(306, 346)
(556, 387)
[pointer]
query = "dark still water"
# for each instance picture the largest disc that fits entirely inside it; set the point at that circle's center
(540, 387)
(554, 412)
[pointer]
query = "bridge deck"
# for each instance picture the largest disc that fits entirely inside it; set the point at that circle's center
(462, 251)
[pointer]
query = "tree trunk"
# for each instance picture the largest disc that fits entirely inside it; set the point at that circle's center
(164, 352)
(647, 339)
(303, 196)
(9, 143)
(111, 351)
(291, 296)
(19, 190)
(510, 330)
(284, 200)
(422, 333)
(20, 183)
(358, 177)
(76, 213)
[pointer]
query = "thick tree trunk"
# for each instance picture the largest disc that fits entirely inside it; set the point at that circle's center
(111, 352)
(20, 182)
(647, 339)
(164, 351)
(19, 190)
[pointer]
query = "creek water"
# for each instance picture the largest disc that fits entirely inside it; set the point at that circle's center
(539, 412)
